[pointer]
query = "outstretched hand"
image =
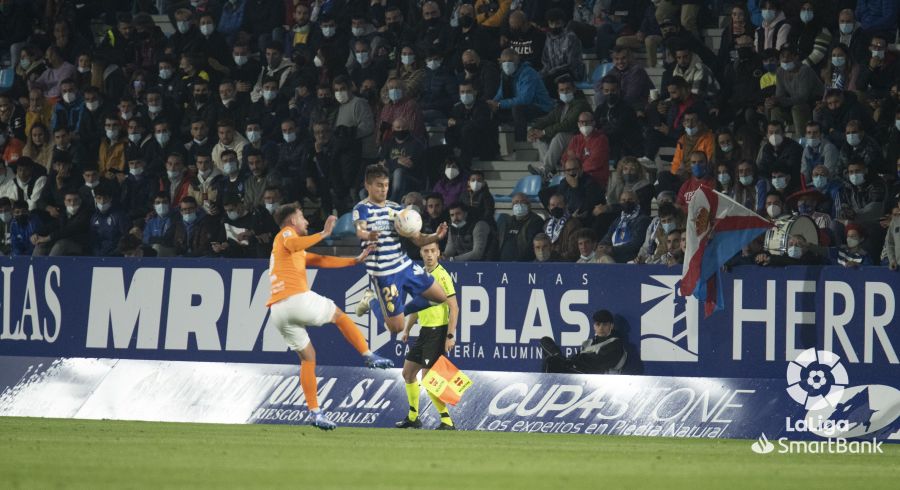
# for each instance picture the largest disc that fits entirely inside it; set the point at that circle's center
(365, 253)
(329, 226)
(441, 231)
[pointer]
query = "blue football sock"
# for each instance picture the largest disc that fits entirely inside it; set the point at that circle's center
(418, 304)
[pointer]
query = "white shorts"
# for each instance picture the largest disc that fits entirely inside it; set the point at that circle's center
(293, 314)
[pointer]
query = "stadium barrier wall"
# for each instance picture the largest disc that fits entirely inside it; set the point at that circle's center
(214, 311)
(178, 391)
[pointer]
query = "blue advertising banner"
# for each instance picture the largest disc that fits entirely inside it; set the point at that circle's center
(214, 311)
(746, 408)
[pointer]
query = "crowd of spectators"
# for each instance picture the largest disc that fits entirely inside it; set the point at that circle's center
(133, 142)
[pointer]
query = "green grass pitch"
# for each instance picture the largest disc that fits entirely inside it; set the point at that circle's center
(50, 453)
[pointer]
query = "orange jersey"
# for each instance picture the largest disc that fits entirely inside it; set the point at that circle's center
(287, 264)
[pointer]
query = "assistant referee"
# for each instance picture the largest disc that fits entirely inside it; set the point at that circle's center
(436, 337)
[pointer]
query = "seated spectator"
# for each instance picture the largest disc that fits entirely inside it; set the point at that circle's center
(838, 111)
(28, 184)
(775, 207)
(774, 30)
(400, 104)
(469, 239)
(482, 75)
(804, 202)
(604, 353)
(782, 180)
(797, 87)
(111, 159)
(581, 193)
(817, 151)
(627, 232)
(402, 155)
(724, 179)
(618, 121)
(667, 220)
(108, 223)
(863, 198)
(701, 174)
(543, 249)
(882, 68)
(271, 198)
(696, 138)
(21, 224)
(196, 231)
(229, 139)
(561, 56)
(630, 78)
(779, 151)
(561, 228)
(38, 147)
(205, 184)
(354, 126)
(69, 234)
(550, 134)
(248, 231)
(234, 180)
(853, 253)
(830, 188)
(478, 198)
(524, 39)
(159, 229)
(366, 66)
(700, 78)
(799, 252)
(861, 147)
(435, 215)
(590, 147)
(177, 181)
(631, 175)
(277, 68)
(674, 254)
(587, 247)
(137, 189)
(58, 70)
(522, 95)
(471, 127)
(891, 252)
(517, 232)
(438, 88)
(259, 179)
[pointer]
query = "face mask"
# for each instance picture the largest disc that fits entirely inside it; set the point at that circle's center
(724, 179)
(269, 95)
(134, 138)
(509, 67)
(629, 207)
(804, 208)
(586, 130)
(795, 252)
(317, 62)
(897, 124)
(878, 53)
(668, 227)
(806, 16)
(329, 31)
(459, 225)
(6, 217)
(726, 148)
(24, 63)
(204, 173)
(433, 64)
(271, 206)
(746, 180)
(690, 131)
(566, 97)
(112, 134)
(557, 212)
(475, 185)
(71, 210)
(342, 97)
(161, 209)
(698, 169)
(820, 181)
(788, 66)
(362, 58)
(358, 31)
(775, 139)
(165, 74)
(68, 97)
(253, 136)
(838, 61)
(469, 99)
(229, 168)
(857, 179)
(103, 207)
(189, 218)
(451, 172)
(846, 28)
(233, 215)
(207, 29)
(240, 60)
(852, 242)
(853, 139)
(407, 59)
(812, 142)
(182, 26)
(520, 210)
(92, 184)
(162, 138)
(136, 171)
(289, 137)
(779, 183)
(768, 15)
(92, 106)
(773, 210)
(84, 69)
(395, 94)
(173, 174)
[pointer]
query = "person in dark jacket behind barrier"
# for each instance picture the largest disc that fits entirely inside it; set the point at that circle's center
(604, 353)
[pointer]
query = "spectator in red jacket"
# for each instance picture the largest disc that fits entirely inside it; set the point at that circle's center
(701, 174)
(590, 147)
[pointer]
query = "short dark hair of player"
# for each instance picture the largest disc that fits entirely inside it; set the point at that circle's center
(458, 205)
(283, 213)
(376, 171)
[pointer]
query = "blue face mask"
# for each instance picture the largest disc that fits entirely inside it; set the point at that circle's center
(804, 208)
(820, 181)
(698, 169)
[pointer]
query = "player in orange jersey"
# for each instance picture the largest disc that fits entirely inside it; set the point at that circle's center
(293, 307)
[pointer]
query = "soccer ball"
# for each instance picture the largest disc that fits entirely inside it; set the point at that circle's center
(408, 222)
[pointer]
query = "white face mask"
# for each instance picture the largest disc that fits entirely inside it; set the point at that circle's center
(162, 138)
(773, 210)
(207, 29)
(520, 210)
(329, 31)
(136, 171)
(469, 99)
(451, 172)
(173, 174)
(407, 59)
(358, 31)
(746, 180)
(395, 94)
(846, 27)
(204, 173)
(233, 215)
(229, 167)
(92, 184)
(897, 124)
(240, 59)
(317, 62)
(134, 138)
(269, 95)
(102, 207)
(71, 210)
(182, 26)
(154, 109)
(724, 179)
(6, 217)
(668, 227)
(820, 181)
(433, 64)
(161, 209)
(812, 142)
(779, 183)
(776, 139)
(92, 105)
(342, 96)
(271, 206)
(165, 74)
(254, 136)
(289, 137)
(112, 134)
(84, 69)
(857, 179)
(459, 224)
(509, 67)
(838, 61)
(586, 130)
(68, 97)
(852, 242)
(475, 185)
(795, 252)
(362, 58)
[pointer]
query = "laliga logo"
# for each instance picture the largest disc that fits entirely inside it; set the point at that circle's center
(816, 379)
(762, 445)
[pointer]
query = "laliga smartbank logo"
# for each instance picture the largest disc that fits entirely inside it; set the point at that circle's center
(817, 380)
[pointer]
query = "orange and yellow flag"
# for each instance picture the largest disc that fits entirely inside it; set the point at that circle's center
(446, 381)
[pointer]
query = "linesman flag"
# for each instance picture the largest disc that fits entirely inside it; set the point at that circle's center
(446, 381)
(717, 228)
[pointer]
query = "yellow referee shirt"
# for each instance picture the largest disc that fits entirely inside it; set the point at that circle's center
(438, 315)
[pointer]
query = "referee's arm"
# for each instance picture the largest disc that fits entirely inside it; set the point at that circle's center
(451, 322)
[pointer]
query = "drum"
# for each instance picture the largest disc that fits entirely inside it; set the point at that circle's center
(776, 242)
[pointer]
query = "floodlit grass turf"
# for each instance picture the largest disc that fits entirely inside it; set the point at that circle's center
(48, 453)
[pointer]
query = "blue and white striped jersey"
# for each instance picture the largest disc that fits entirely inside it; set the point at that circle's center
(389, 257)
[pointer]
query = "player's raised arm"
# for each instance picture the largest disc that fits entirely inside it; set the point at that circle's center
(331, 262)
(421, 240)
(363, 233)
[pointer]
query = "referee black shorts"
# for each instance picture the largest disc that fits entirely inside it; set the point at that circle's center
(429, 346)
